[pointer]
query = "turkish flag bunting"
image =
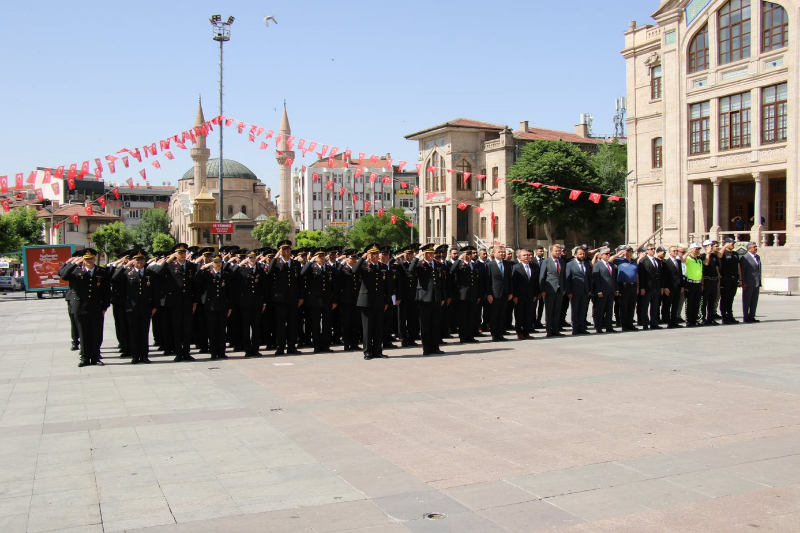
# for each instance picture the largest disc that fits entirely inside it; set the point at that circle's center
(84, 169)
(466, 176)
(98, 172)
(401, 165)
(342, 190)
(330, 162)
(278, 139)
(573, 195)
(289, 146)
(251, 138)
(305, 151)
(18, 181)
(301, 143)
(73, 170)
(264, 145)
(334, 151)
(71, 183)
(329, 184)
(156, 164)
(373, 159)
(431, 169)
(136, 155)
(125, 161)
(147, 151)
(240, 126)
(303, 168)
(595, 197)
(60, 172)
(462, 205)
(419, 167)
(31, 177)
(290, 139)
(312, 146)
(614, 198)
(324, 150)
(479, 209)
(259, 131)
(372, 177)
(57, 226)
(181, 146)
(164, 144)
(380, 212)
(6, 206)
(269, 134)
(554, 187)
(403, 185)
(449, 171)
(416, 190)
(115, 190)
(112, 167)
(387, 179)
(359, 171)
(367, 205)
(431, 195)
(102, 201)
(494, 220)
(537, 184)
(47, 176)
(355, 197)
(143, 174)
(98, 162)
(389, 161)
(447, 199)
(169, 155)
(228, 121)
(347, 154)
(129, 181)
(3, 184)
(393, 219)
(76, 218)
(315, 176)
(361, 156)
(55, 187)
(192, 136)
(409, 224)
(111, 158)
(88, 210)
(253, 129)
(289, 161)
(480, 176)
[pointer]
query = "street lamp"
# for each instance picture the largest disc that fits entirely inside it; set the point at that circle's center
(221, 33)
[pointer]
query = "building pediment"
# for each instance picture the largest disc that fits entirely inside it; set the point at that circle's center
(668, 6)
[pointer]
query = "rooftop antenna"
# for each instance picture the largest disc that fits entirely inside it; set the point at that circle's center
(621, 105)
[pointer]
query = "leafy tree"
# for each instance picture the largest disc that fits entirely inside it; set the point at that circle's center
(20, 227)
(113, 239)
(272, 231)
(154, 221)
(309, 238)
(611, 166)
(371, 228)
(553, 163)
(163, 242)
(334, 236)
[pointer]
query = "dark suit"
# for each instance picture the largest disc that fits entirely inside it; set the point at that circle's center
(140, 297)
(650, 282)
(604, 282)
(177, 287)
(498, 286)
(214, 291)
(729, 284)
(374, 297)
(347, 284)
(73, 323)
(430, 298)
(285, 295)
(526, 290)
(540, 303)
(249, 290)
(578, 286)
(672, 279)
(319, 290)
(551, 283)
(467, 290)
(751, 284)
(91, 298)
(121, 327)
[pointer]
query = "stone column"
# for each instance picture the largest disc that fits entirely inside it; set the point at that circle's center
(755, 232)
(715, 229)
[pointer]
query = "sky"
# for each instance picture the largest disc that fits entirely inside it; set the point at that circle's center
(84, 79)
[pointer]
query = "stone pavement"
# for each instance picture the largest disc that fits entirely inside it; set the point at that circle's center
(667, 431)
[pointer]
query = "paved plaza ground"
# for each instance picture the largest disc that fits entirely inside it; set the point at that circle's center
(666, 431)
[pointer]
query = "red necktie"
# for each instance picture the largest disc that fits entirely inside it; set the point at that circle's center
(558, 266)
(608, 266)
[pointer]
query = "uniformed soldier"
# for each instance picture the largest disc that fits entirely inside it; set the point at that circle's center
(286, 297)
(430, 297)
(374, 298)
(199, 331)
(390, 316)
(121, 327)
(248, 279)
(214, 291)
(319, 293)
(408, 312)
(137, 285)
(68, 296)
(336, 315)
(176, 279)
(348, 283)
(91, 298)
(451, 321)
(467, 293)
(268, 316)
(729, 269)
(440, 253)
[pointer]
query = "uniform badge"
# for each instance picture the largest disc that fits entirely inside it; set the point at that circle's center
(98, 282)
(148, 282)
(223, 284)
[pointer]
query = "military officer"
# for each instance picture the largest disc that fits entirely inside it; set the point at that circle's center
(248, 279)
(729, 270)
(121, 327)
(176, 279)
(199, 332)
(374, 299)
(319, 293)
(408, 311)
(390, 316)
(467, 293)
(348, 283)
(268, 316)
(286, 297)
(68, 296)
(214, 291)
(430, 297)
(137, 285)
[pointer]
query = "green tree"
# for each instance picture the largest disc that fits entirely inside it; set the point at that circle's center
(371, 228)
(154, 221)
(113, 239)
(163, 242)
(272, 231)
(309, 238)
(20, 227)
(611, 166)
(334, 236)
(552, 163)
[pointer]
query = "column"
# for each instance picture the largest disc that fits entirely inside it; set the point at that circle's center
(755, 232)
(715, 181)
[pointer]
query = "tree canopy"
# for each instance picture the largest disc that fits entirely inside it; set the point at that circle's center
(334, 236)
(163, 242)
(272, 231)
(369, 229)
(113, 239)
(154, 221)
(20, 227)
(309, 238)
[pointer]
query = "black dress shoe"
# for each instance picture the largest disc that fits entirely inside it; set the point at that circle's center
(99, 363)
(83, 363)
(611, 330)
(145, 361)
(190, 358)
(426, 354)
(383, 356)
(279, 351)
(74, 348)
(389, 345)
(293, 351)
(439, 352)
(368, 357)
(135, 362)
(656, 327)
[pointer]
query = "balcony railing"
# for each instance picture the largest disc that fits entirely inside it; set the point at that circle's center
(773, 238)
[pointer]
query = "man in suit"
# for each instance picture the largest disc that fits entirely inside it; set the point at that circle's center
(319, 296)
(672, 284)
(138, 288)
(525, 287)
(578, 288)
(347, 285)
(176, 280)
(650, 287)
(750, 274)
(604, 287)
(118, 305)
(551, 285)
(249, 284)
(374, 298)
(498, 291)
(214, 286)
(539, 260)
(430, 297)
(92, 296)
(286, 297)
(468, 292)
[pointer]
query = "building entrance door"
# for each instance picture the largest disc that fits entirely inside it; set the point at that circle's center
(741, 207)
(777, 204)
(462, 225)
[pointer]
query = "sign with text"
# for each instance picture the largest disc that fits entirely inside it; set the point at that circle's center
(221, 228)
(41, 264)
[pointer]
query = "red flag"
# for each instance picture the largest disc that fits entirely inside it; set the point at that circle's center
(76, 219)
(416, 190)
(264, 145)
(180, 145)
(409, 224)
(169, 155)
(361, 156)
(330, 162)
(130, 183)
(554, 187)
(6, 206)
(115, 190)
(403, 185)
(466, 176)
(419, 167)
(303, 168)
(380, 212)
(98, 173)
(47, 176)
(88, 209)
(393, 219)
(60, 172)
(102, 201)
(329, 184)
(153, 149)
(479, 209)
(111, 158)
(228, 121)
(401, 165)
(431, 195)
(18, 181)
(373, 159)
(251, 138)
(278, 139)
(347, 154)
(431, 169)
(3, 184)
(342, 190)
(355, 198)
(449, 171)
(573, 195)
(164, 145)
(289, 161)
(136, 155)
(359, 171)
(19, 196)
(494, 220)
(595, 197)
(387, 179)
(112, 167)
(147, 151)
(372, 177)
(301, 143)
(98, 163)
(32, 177)
(125, 160)
(614, 198)
(480, 176)
(156, 164)
(537, 184)
(324, 150)
(312, 146)
(334, 151)
(240, 126)
(367, 205)
(269, 134)
(447, 199)
(56, 188)
(462, 205)
(143, 173)
(58, 226)
(389, 161)
(71, 183)
(315, 176)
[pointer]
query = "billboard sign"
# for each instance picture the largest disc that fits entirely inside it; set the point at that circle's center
(218, 228)
(41, 264)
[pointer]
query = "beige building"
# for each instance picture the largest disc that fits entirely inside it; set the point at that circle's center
(712, 103)
(463, 146)
(194, 206)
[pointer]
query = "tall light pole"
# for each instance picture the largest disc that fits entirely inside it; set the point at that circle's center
(222, 33)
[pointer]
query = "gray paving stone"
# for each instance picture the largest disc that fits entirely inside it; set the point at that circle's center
(344, 516)
(715, 483)
(415, 505)
(123, 515)
(480, 496)
(529, 517)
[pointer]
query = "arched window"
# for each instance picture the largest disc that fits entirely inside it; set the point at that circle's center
(698, 51)
(230, 210)
(244, 209)
(464, 169)
(734, 31)
(775, 26)
(433, 173)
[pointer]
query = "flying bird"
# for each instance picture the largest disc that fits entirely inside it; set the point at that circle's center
(268, 18)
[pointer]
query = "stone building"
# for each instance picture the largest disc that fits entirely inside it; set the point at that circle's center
(194, 206)
(712, 103)
(463, 146)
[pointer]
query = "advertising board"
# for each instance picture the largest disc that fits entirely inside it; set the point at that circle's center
(41, 264)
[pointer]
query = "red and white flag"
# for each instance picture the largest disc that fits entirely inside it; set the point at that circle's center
(6, 206)
(102, 201)
(3, 184)
(315, 176)
(462, 205)
(401, 165)
(56, 188)
(329, 185)
(409, 224)
(380, 212)
(39, 194)
(60, 172)
(614, 198)
(372, 177)
(387, 179)
(115, 190)
(393, 219)
(289, 161)
(143, 174)
(367, 205)
(264, 146)
(18, 181)
(574, 194)
(595, 197)
(32, 177)
(169, 155)
(157, 164)
(71, 183)
(416, 190)
(342, 190)
(76, 218)
(84, 168)
(88, 209)
(130, 183)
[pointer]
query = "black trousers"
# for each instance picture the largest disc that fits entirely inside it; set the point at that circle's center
(524, 311)
(694, 292)
(430, 323)
(199, 333)
(318, 324)
(90, 332)
(372, 328)
(649, 305)
(603, 312)
(627, 305)
(250, 320)
(165, 325)
(216, 322)
(466, 311)
(139, 335)
(579, 304)
(121, 328)
(564, 308)
(552, 311)
(351, 325)
(336, 326)
(671, 309)
(710, 295)
(539, 311)
(729, 288)
(750, 302)
(389, 323)
(486, 309)
(234, 330)
(268, 327)
(498, 318)
(182, 318)
(285, 326)
(73, 328)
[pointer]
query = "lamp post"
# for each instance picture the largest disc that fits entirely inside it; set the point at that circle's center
(491, 195)
(221, 33)
(626, 204)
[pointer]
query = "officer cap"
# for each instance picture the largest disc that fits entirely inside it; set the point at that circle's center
(194, 249)
(729, 240)
(233, 249)
(242, 253)
(301, 251)
(333, 250)
(707, 242)
(127, 253)
(208, 250)
(415, 246)
(320, 251)
(372, 248)
(386, 250)
(604, 250)
(77, 253)
(285, 244)
(217, 257)
(252, 253)
(89, 253)
(441, 249)
(180, 247)
(428, 248)
(270, 251)
(138, 254)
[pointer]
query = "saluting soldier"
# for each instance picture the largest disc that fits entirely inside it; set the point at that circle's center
(214, 289)
(176, 278)
(199, 332)
(319, 300)
(121, 328)
(268, 316)
(390, 316)
(374, 298)
(286, 297)
(348, 283)
(729, 270)
(408, 312)
(91, 298)
(68, 296)
(430, 297)
(336, 315)
(248, 278)
(137, 285)
(467, 293)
